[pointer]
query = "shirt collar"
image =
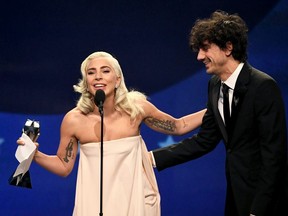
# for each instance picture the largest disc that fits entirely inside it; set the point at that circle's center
(231, 81)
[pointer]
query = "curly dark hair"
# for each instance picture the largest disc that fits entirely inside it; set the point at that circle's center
(219, 29)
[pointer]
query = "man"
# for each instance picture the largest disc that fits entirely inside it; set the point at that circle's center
(254, 132)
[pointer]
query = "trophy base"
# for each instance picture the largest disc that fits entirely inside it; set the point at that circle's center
(25, 181)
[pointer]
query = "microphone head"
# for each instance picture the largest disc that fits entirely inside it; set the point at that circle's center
(99, 97)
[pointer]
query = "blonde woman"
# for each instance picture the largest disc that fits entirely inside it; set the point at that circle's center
(129, 184)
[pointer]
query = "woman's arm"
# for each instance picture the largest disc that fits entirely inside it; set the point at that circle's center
(165, 123)
(62, 163)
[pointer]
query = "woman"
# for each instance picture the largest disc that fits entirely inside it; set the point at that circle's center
(129, 187)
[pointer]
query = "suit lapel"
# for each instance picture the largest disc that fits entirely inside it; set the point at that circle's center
(239, 92)
(238, 97)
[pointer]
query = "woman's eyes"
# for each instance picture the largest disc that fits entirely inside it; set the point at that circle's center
(103, 71)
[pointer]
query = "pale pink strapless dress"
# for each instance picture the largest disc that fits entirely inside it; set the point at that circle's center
(129, 183)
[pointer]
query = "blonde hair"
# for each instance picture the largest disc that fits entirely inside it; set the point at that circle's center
(124, 100)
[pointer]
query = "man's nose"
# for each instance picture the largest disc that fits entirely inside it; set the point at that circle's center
(200, 55)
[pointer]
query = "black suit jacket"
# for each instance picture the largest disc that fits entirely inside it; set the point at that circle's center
(256, 142)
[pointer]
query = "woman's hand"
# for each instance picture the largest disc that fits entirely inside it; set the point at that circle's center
(21, 142)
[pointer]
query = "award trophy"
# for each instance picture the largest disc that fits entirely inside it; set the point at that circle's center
(25, 154)
(32, 129)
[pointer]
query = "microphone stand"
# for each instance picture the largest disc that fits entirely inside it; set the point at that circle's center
(101, 159)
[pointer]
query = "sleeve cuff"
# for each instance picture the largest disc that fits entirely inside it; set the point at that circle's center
(152, 159)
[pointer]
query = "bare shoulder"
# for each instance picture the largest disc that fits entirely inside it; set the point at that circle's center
(73, 116)
(74, 112)
(147, 107)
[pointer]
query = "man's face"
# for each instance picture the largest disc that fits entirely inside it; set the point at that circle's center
(213, 57)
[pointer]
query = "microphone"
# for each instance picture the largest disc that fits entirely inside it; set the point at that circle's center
(99, 99)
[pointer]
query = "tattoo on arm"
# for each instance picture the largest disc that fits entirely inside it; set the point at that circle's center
(162, 124)
(69, 150)
(185, 125)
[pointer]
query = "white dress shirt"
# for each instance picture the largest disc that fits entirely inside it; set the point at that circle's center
(230, 82)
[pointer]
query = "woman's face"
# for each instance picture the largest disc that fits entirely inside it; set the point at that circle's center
(101, 75)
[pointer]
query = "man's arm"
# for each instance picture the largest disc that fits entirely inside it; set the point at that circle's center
(191, 148)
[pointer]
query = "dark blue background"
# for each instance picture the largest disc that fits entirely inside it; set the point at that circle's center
(42, 44)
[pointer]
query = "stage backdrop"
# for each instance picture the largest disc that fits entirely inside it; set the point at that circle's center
(42, 47)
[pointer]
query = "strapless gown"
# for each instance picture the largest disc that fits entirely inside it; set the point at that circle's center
(129, 183)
